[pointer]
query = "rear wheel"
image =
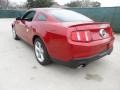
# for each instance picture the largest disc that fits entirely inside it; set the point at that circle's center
(41, 52)
(15, 35)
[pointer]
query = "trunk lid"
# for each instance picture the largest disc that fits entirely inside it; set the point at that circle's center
(97, 30)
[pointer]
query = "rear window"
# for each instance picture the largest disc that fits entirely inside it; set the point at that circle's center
(68, 16)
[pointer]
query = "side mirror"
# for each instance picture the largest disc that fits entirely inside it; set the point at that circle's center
(18, 18)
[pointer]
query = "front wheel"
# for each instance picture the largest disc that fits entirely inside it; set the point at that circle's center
(41, 52)
(15, 35)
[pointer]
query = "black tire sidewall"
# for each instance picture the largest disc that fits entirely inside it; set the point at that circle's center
(16, 36)
(46, 56)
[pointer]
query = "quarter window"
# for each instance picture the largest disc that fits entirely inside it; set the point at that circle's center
(42, 17)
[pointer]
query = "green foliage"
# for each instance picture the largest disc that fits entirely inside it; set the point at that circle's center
(83, 3)
(74, 4)
(95, 4)
(39, 3)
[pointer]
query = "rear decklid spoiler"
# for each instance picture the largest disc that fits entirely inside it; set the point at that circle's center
(101, 24)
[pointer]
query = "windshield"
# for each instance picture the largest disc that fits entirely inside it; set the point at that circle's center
(68, 16)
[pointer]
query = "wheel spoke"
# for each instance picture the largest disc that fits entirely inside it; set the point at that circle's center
(39, 51)
(42, 57)
(37, 48)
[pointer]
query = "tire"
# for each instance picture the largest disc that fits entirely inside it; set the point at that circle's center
(15, 36)
(41, 52)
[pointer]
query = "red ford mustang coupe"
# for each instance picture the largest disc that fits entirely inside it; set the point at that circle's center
(63, 36)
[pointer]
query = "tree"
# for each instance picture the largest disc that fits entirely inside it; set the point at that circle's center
(4, 4)
(83, 3)
(86, 3)
(39, 3)
(96, 4)
(14, 5)
(74, 4)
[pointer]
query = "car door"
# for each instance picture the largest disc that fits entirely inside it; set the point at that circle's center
(37, 23)
(23, 25)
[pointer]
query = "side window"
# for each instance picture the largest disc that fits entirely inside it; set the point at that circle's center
(42, 17)
(28, 16)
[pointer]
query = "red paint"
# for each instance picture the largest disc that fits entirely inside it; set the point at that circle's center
(61, 39)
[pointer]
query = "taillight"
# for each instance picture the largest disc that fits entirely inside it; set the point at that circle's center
(83, 36)
(111, 32)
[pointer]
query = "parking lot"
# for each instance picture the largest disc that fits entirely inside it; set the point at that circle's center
(19, 69)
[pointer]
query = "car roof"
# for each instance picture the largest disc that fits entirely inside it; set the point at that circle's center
(45, 9)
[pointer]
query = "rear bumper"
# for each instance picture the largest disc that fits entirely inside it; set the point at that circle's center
(83, 50)
(80, 61)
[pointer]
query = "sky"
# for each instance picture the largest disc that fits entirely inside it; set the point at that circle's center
(105, 3)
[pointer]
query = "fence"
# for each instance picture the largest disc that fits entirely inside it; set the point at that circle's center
(104, 14)
(11, 13)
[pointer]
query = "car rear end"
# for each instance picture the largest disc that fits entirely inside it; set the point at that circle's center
(89, 42)
(86, 40)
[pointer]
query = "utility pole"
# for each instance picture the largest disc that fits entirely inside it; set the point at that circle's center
(7, 3)
(0, 4)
